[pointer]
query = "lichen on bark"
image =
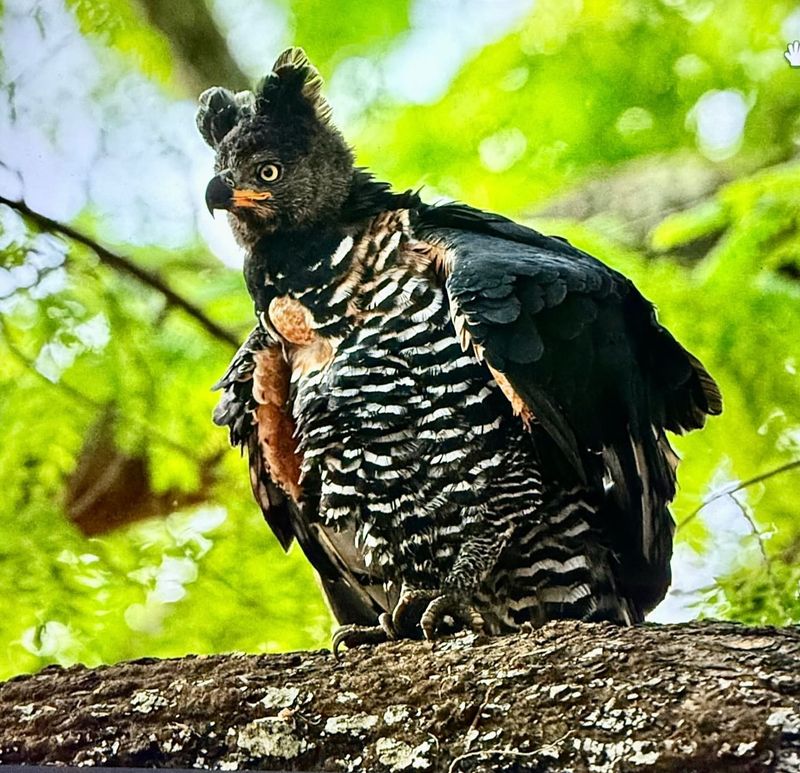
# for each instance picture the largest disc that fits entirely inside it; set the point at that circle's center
(565, 697)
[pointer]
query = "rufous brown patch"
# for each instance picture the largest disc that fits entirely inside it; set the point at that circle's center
(517, 403)
(276, 427)
(308, 351)
(292, 320)
(429, 254)
(313, 357)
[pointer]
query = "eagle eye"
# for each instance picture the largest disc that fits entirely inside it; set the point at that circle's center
(269, 173)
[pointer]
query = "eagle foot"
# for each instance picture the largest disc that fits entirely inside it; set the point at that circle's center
(434, 612)
(357, 635)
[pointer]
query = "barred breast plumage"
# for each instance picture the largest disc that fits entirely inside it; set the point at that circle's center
(411, 447)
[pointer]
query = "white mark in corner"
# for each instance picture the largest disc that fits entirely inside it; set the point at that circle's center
(792, 53)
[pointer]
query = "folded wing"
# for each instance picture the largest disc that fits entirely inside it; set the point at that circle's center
(584, 351)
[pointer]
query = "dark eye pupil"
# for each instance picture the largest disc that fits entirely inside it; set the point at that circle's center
(270, 172)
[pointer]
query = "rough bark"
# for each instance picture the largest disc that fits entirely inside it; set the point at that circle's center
(566, 697)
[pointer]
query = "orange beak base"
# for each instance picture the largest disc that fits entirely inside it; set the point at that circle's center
(245, 198)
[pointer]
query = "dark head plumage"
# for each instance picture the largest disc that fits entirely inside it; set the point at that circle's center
(281, 163)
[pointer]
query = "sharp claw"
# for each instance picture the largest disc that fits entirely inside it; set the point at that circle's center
(386, 623)
(445, 605)
(403, 619)
(357, 635)
(403, 623)
(338, 639)
(408, 618)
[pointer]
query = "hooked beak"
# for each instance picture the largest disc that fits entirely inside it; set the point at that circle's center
(220, 194)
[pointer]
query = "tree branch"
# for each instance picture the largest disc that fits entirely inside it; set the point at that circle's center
(126, 266)
(633, 197)
(793, 465)
(197, 44)
(569, 696)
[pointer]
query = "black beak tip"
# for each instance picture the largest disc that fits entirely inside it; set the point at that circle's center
(219, 194)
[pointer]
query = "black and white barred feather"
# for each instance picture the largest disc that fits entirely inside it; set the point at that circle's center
(412, 451)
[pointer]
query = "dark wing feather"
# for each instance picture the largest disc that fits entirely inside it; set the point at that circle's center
(584, 350)
(354, 596)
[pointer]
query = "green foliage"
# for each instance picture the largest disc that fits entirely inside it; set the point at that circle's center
(328, 34)
(584, 86)
(574, 92)
(196, 582)
(688, 226)
(120, 24)
(761, 594)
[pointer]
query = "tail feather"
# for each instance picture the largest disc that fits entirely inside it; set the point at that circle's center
(641, 474)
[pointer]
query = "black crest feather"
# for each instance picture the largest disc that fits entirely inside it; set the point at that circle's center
(220, 110)
(294, 86)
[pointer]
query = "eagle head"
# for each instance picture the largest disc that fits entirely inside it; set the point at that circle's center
(280, 162)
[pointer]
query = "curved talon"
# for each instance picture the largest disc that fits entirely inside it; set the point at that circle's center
(446, 605)
(417, 611)
(386, 623)
(404, 620)
(356, 635)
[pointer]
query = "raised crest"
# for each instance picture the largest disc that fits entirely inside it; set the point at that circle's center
(293, 75)
(220, 110)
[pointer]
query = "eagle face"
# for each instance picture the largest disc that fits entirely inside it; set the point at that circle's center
(280, 163)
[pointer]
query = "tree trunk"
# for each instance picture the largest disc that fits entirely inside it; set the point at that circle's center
(566, 697)
(198, 45)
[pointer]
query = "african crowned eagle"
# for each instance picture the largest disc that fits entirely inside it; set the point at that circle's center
(460, 420)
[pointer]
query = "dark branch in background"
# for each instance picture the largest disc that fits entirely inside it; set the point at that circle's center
(126, 266)
(109, 487)
(632, 198)
(199, 49)
(83, 400)
(738, 487)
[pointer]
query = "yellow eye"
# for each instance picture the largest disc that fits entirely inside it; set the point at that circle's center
(269, 172)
